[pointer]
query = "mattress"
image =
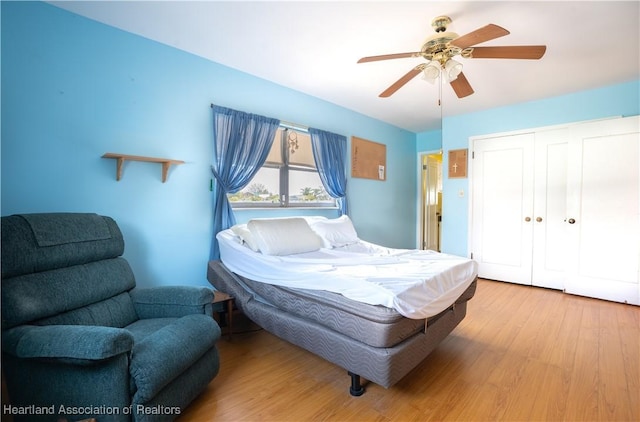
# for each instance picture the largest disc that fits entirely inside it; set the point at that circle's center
(367, 340)
(374, 325)
(416, 284)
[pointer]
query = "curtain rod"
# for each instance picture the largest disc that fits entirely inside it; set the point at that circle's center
(294, 126)
(287, 124)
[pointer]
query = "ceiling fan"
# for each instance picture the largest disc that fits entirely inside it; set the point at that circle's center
(440, 48)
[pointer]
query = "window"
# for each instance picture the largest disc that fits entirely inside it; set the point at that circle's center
(288, 178)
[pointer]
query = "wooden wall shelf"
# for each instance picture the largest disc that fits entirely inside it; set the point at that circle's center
(121, 158)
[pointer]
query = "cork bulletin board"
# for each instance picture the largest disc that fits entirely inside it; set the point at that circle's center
(368, 159)
(458, 163)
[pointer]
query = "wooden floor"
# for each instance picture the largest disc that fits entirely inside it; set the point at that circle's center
(522, 354)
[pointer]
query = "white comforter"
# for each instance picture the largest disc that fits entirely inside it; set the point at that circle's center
(416, 283)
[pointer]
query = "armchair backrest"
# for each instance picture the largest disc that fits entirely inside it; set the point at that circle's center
(64, 268)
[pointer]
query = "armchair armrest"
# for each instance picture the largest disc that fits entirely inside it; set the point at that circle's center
(67, 342)
(167, 353)
(172, 301)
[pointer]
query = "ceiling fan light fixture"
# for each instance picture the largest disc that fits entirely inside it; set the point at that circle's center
(452, 69)
(431, 72)
(440, 48)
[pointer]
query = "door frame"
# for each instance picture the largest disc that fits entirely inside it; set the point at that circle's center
(421, 155)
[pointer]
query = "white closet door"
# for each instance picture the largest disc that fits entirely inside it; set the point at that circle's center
(502, 207)
(550, 209)
(603, 215)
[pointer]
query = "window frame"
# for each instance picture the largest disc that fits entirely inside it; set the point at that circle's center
(284, 169)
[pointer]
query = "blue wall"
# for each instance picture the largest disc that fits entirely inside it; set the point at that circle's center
(429, 141)
(74, 89)
(617, 100)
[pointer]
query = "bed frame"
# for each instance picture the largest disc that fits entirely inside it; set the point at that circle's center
(318, 333)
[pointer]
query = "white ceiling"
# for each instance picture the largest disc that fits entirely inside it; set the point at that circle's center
(313, 47)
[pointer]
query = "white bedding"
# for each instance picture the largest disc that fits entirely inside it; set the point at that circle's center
(417, 283)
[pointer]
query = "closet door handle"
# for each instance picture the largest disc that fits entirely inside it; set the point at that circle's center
(539, 219)
(570, 220)
(527, 219)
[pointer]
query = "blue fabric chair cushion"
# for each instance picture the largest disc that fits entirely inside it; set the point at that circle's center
(143, 328)
(21, 253)
(160, 357)
(117, 311)
(66, 341)
(35, 296)
(172, 301)
(66, 228)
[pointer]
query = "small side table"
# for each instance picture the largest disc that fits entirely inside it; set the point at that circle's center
(225, 299)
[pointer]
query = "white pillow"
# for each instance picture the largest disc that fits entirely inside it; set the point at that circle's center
(313, 218)
(336, 232)
(284, 236)
(245, 236)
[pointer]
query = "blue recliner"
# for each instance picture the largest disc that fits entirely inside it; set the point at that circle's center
(80, 341)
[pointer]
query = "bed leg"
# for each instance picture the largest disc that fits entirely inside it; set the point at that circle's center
(356, 388)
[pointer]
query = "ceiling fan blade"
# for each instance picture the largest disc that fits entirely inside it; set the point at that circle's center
(532, 52)
(461, 86)
(480, 35)
(388, 57)
(401, 82)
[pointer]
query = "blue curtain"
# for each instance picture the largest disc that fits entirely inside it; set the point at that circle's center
(241, 145)
(330, 156)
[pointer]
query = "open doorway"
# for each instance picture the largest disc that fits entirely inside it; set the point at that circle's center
(431, 201)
